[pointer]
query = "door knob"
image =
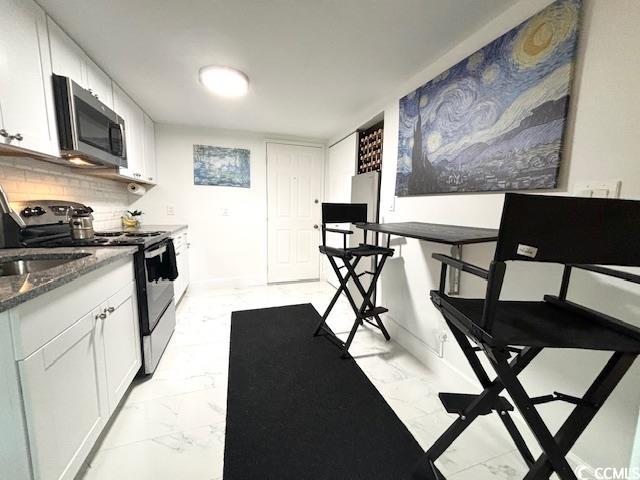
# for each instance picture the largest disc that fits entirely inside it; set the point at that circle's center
(315, 201)
(315, 226)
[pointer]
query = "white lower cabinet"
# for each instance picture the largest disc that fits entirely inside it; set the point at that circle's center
(119, 335)
(73, 374)
(64, 400)
(181, 243)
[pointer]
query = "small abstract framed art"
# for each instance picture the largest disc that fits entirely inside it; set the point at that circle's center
(221, 166)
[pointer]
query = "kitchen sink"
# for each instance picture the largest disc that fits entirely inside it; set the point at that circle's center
(31, 265)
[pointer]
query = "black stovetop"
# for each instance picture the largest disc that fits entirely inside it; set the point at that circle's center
(106, 239)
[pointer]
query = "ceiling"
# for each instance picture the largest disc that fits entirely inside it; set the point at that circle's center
(312, 63)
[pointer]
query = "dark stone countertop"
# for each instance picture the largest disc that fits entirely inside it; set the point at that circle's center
(17, 289)
(157, 228)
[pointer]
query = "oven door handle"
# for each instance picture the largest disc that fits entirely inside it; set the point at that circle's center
(155, 252)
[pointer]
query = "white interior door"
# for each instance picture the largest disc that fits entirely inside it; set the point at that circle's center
(294, 182)
(341, 166)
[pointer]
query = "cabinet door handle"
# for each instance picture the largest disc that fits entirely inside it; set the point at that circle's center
(17, 136)
(110, 310)
(3, 133)
(101, 316)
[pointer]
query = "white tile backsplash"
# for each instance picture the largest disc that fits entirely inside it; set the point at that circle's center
(24, 178)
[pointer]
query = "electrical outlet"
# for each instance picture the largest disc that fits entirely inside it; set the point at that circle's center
(171, 210)
(597, 188)
(392, 204)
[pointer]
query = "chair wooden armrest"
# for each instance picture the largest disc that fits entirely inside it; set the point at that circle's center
(462, 265)
(628, 276)
(338, 230)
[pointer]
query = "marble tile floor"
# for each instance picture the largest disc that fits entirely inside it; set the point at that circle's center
(172, 425)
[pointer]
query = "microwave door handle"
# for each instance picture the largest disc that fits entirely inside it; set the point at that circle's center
(117, 127)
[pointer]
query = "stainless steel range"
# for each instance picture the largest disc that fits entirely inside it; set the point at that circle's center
(47, 225)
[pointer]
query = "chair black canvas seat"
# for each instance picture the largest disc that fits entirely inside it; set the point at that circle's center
(538, 324)
(363, 250)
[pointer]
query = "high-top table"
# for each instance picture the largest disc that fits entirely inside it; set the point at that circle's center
(454, 235)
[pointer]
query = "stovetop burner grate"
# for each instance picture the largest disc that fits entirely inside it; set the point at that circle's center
(70, 242)
(109, 234)
(142, 234)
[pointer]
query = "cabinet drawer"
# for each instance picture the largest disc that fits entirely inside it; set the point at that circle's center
(37, 321)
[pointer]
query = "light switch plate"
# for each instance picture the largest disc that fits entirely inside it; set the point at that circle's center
(171, 210)
(597, 188)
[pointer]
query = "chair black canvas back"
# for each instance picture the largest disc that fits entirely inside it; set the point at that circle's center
(569, 230)
(344, 213)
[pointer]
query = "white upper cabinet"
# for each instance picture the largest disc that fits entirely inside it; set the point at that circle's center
(134, 133)
(32, 47)
(99, 83)
(26, 100)
(67, 58)
(150, 169)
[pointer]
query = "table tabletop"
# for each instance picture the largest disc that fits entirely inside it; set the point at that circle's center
(434, 232)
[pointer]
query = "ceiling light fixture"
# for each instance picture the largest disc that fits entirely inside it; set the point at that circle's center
(224, 81)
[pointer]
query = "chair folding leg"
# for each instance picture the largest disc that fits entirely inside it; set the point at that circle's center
(515, 434)
(366, 295)
(426, 470)
(528, 410)
(342, 287)
(360, 312)
(583, 414)
(472, 357)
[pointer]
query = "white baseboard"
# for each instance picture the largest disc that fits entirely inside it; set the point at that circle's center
(232, 282)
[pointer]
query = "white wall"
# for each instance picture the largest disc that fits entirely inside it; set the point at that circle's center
(227, 225)
(602, 143)
(635, 456)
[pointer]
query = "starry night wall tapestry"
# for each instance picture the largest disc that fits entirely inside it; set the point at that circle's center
(496, 120)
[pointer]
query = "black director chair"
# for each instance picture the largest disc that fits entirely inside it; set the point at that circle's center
(350, 257)
(580, 233)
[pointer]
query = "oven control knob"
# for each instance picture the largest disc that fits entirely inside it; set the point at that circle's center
(37, 211)
(27, 212)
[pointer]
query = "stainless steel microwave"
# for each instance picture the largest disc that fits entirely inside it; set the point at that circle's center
(90, 133)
